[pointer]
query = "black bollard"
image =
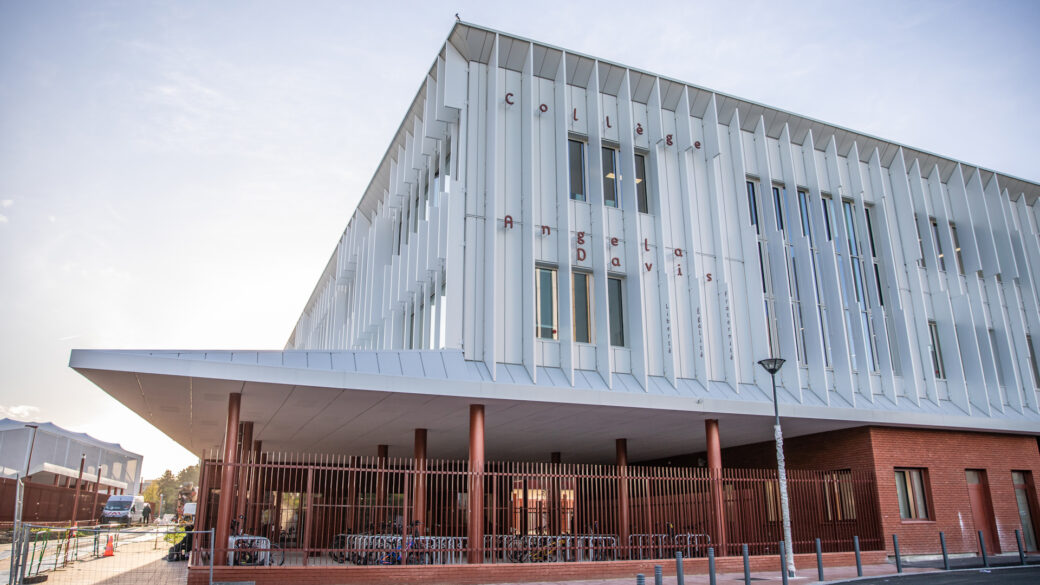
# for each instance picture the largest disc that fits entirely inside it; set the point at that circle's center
(783, 562)
(711, 565)
(1021, 554)
(747, 566)
(658, 575)
(859, 561)
(640, 579)
(680, 579)
(899, 561)
(946, 557)
(982, 547)
(819, 560)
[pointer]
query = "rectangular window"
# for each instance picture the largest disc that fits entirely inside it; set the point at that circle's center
(937, 359)
(582, 323)
(827, 216)
(644, 205)
(1025, 497)
(1032, 361)
(752, 204)
(779, 200)
(615, 298)
(859, 284)
(546, 302)
(576, 158)
(938, 245)
(910, 489)
(611, 177)
(957, 248)
(839, 495)
(803, 207)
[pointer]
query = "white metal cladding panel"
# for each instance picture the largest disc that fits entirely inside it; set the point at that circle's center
(511, 160)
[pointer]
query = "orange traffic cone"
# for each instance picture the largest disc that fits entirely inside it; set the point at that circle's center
(109, 551)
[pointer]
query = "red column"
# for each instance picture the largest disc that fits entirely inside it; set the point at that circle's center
(381, 514)
(79, 485)
(556, 509)
(621, 446)
(226, 507)
(475, 526)
(254, 493)
(419, 491)
(244, 450)
(352, 480)
(714, 448)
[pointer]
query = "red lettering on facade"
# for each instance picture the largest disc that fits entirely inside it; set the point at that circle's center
(608, 122)
(546, 230)
(509, 98)
(668, 140)
(678, 252)
(544, 108)
(680, 269)
(615, 262)
(575, 114)
(646, 244)
(581, 237)
(648, 265)
(613, 241)
(581, 254)
(708, 276)
(507, 221)
(639, 129)
(697, 144)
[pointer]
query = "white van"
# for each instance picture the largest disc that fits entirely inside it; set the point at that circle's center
(125, 509)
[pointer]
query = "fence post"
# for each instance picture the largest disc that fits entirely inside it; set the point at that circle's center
(859, 561)
(711, 565)
(819, 559)
(680, 579)
(747, 565)
(783, 562)
(212, 540)
(1021, 554)
(899, 561)
(982, 547)
(946, 556)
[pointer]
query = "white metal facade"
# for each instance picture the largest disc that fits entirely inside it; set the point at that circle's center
(919, 286)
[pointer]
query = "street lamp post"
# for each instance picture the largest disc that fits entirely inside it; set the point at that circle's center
(20, 487)
(773, 365)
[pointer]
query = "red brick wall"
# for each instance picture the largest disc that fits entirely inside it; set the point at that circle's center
(945, 454)
(505, 572)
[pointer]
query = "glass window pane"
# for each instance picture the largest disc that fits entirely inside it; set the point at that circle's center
(609, 178)
(901, 491)
(644, 205)
(582, 332)
(576, 156)
(546, 303)
(617, 320)
(752, 204)
(920, 507)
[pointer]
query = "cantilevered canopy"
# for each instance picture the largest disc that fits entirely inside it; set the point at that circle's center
(347, 402)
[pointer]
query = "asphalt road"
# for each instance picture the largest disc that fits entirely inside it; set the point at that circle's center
(1004, 576)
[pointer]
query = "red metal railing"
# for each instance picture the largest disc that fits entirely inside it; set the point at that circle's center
(355, 510)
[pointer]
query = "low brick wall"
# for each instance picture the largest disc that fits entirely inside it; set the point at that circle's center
(505, 572)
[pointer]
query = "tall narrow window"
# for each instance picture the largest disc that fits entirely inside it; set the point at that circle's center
(1032, 361)
(996, 356)
(768, 300)
(576, 158)
(859, 284)
(641, 197)
(910, 490)
(615, 298)
(795, 293)
(937, 359)
(874, 256)
(920, 240)
(827, 215)
(807, 231)
(582, 323)
(957, 248)
(752, 197)
(546, 302)
(938, 245)
(611, 178)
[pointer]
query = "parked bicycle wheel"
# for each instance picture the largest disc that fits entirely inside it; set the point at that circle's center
(276, 556)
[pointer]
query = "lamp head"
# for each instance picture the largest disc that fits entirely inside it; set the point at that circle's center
(772, 365)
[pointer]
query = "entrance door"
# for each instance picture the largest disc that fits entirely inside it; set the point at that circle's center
(982, 508)
(1023, 481)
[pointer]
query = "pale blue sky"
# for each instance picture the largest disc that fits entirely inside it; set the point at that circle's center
(176, 174)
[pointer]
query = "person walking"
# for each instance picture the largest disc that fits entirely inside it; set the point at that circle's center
(146, 513)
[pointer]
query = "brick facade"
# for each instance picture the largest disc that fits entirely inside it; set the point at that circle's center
(944, 454)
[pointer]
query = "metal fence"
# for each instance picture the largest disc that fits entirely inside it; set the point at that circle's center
(81, 555)
(333, 510)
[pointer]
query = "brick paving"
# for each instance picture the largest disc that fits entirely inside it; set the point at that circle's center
(134, 563)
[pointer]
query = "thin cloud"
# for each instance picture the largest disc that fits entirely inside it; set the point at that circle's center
(7, 203)
(20, 412)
